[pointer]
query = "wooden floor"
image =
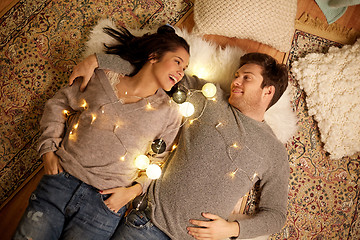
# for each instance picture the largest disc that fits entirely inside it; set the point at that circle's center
(11, 213)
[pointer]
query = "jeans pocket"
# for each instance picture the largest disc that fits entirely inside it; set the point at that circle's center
(138, 219)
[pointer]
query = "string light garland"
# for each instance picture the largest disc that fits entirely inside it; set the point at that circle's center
(158, 146)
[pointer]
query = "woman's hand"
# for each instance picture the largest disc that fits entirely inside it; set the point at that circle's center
(51, 163)
(121, 196)
(215, 228)
(84, 69)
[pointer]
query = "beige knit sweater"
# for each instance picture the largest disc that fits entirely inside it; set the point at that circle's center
(98, 141)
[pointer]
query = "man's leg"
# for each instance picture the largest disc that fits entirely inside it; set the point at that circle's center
(137, 226)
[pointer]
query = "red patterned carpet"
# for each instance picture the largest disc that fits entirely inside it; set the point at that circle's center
(40, 41)
(323, 193)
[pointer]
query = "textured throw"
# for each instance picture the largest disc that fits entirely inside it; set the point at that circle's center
(332, 85)
(265, 21)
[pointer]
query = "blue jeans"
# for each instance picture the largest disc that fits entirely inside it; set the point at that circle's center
(63, 207)
(138, 226)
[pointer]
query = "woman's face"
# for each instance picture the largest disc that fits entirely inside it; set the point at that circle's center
(169, 69)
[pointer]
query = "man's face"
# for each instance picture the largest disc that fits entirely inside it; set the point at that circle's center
(246, 91)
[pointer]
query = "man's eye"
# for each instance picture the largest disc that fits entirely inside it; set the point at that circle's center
(178, 62)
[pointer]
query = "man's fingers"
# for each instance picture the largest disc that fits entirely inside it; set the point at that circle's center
(84, 84)
(199, 223)
(210, 216)
(72, 78)
(199, 233)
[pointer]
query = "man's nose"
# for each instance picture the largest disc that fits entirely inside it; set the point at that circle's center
(237, 81)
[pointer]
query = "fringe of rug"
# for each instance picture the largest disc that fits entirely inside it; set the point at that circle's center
(334, 31)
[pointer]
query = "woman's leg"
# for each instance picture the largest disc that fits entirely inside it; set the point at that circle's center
(44, 217)
(88, 217)
(137, 226)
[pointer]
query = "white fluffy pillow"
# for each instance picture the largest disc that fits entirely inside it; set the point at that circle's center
(214, 64)
(265, 21)
(332, 85)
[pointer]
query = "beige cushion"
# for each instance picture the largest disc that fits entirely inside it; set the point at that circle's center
(265, 21)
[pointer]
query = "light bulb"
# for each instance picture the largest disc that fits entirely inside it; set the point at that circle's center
(142, 162)
(93, 117)
(153, 171)
(84, 104)
(209, 90)
(186, 109)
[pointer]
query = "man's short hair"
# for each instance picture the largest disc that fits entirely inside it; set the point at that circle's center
(273, 73)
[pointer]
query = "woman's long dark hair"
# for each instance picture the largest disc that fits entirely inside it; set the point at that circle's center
(139, 50)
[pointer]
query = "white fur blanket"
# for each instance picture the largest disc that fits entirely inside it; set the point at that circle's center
(331, 82)
(213, 64)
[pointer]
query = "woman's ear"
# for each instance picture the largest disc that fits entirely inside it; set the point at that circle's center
(153, 58)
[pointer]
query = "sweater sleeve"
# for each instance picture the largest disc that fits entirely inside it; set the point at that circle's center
(169, 136)
(53, 122)
(271, 216)
(114, 63)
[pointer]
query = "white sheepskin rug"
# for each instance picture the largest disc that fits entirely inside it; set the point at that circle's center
(213, 64)
(331, 82)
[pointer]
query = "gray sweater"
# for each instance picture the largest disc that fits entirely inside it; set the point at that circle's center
(197, 178)
(92, 140)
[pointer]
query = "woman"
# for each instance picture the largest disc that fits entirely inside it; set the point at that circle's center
(90, 139)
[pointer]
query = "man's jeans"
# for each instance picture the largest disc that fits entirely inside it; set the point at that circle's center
(138, 226)
(63, 207)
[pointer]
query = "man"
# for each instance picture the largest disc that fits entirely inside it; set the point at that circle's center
(220, 155)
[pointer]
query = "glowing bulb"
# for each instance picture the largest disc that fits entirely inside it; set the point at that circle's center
(200, 72)
(142, 162)
(93, 117)
(173, 147)
(191, 121)
(232, 174)
(153, 171)
(254, 176)
(218, 125)
(122, 158)
(84, 104)
(209, 90)
(66, 112)
(148, 106)
(186, 109)
(76, 126)
(235, 145)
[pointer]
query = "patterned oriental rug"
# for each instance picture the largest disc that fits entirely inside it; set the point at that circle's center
(323, 193)
(40, 42)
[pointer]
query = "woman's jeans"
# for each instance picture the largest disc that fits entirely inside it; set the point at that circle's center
(138, 226)
(63, 207)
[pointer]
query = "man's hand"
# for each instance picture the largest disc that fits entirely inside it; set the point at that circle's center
(51, 163)
(216, 228)
(121, 196)
(84, 69)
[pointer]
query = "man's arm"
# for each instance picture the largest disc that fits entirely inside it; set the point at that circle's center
(87, 67)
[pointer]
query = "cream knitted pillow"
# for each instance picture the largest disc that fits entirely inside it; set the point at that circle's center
(265, 21)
